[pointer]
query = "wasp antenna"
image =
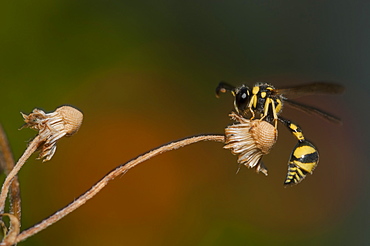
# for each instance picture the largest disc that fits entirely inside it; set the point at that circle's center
(224, 87)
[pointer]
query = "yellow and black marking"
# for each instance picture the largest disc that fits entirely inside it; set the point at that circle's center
(297, 131)
(303, 160)
(304, 157)
(294, 128)
(259, 102)
(264, 102)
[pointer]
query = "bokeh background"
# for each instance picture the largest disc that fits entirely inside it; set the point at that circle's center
(144, 73)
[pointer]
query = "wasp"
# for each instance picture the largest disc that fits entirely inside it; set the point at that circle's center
(264, 102)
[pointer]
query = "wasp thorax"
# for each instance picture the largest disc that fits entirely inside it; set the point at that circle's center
(250, 140)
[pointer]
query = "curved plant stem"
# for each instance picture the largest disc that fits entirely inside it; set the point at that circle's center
(15, 226)
(7, 157)
(110, 176)
(32, 147)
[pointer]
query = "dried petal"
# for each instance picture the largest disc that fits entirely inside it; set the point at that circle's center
(250, 140)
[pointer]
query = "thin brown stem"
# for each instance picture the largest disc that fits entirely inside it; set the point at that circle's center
(15, 198)
(110, 176)
(15, 226)
(32, 147)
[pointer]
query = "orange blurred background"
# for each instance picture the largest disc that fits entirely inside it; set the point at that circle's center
(144, 74)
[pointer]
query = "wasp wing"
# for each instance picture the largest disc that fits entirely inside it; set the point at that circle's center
(312, 110)
(316, 88)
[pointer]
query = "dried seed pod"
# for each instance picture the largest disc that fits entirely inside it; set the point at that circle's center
(250, 140)
(72, 118)
(64, 121)
(264, 135)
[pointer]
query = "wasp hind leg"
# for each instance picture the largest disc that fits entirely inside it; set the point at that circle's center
(304, 157)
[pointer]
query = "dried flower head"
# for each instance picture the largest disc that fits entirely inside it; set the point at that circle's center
(64, 121)
(250, 140)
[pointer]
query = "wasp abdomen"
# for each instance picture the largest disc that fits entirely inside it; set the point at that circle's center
(303, 160)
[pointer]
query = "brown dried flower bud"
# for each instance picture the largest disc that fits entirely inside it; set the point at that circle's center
(64, 121)
(250, 140)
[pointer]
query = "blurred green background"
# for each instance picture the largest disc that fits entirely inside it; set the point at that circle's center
(144, 73)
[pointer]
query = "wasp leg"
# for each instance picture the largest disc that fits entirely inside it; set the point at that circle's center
(252, 114)
(304, 157)
(266, 109)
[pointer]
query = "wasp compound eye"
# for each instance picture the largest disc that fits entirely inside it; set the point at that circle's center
(242, 98)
